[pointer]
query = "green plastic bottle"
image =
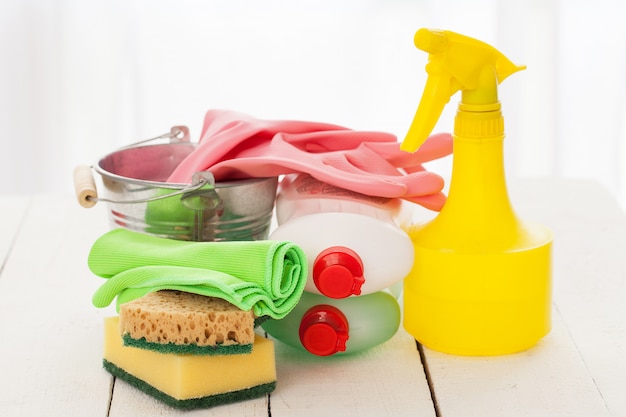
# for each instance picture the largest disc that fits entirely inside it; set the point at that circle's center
(325, 326)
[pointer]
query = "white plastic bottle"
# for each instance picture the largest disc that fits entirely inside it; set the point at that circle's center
(355, 244)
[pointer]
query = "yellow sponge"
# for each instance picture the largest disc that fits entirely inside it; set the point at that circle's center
(191, 381)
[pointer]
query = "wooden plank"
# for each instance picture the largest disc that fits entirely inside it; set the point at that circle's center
(51, 366)
(51, 351)
(589, 274)
(548, 380)
(130, 402)
(13, 211)
(387, 380)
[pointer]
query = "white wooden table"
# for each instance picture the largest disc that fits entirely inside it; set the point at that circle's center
(51, 348)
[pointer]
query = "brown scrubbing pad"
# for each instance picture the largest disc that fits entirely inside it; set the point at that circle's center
(179, 322)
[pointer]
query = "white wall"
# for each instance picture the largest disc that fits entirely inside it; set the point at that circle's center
(82, 77)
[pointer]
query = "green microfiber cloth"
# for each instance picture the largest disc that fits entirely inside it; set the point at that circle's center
(193, 403)
(266, 276)
(188, 349)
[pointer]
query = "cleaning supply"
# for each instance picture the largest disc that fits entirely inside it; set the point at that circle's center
(481, 282)
(264, 276)
(325, 326)
(180, 322)
(353, 242)
(234, 146)
(191, 381)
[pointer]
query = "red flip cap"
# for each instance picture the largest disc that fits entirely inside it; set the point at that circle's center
(338, 272)
(324, 330)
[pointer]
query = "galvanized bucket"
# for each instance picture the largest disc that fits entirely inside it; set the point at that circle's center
(139, 198)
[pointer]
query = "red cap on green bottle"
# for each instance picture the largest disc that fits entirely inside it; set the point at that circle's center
(324, 330)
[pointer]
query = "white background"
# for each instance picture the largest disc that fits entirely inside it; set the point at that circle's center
(81, 77)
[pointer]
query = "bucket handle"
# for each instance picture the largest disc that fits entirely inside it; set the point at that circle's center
(85, 186)
(87, 193)
(175, 135)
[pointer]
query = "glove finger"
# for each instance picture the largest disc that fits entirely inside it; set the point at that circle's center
(432, 201)
(435, 147)
(367, 162)
(422, 183)
(416, 184)
(218, 121)
(334, 140)
(413, 169)
(423, 188)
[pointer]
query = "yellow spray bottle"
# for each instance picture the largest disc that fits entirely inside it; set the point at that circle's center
(481, 279)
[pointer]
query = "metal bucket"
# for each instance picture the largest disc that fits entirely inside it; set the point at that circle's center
(139, 198)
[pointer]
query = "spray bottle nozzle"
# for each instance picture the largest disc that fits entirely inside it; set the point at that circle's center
(430, 41)
(455, 62)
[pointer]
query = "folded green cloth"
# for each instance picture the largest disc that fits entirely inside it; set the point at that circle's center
(266, 276)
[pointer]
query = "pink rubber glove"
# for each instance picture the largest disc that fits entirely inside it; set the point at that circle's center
(227, 132)
(361, 169)
(236, 146)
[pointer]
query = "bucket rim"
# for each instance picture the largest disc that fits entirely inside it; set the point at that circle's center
(175, 185)
(163, 184)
